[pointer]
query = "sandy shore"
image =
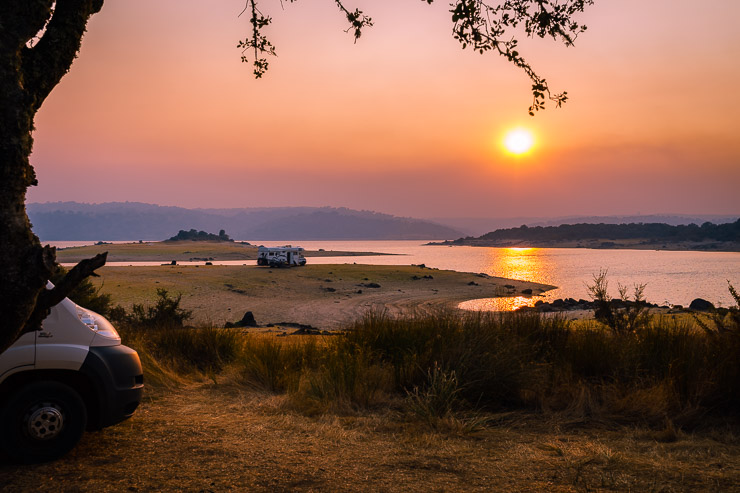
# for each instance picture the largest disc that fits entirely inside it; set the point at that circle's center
(323, 296)
(181, 251)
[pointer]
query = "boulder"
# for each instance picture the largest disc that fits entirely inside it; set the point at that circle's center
(246, 321)
(701, 305)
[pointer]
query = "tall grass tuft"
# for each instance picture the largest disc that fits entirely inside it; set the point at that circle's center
(437, 399)
(205, 349)
(276, 364)
(347, 378)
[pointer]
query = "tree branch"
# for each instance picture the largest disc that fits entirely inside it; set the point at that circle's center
(20, 21)
(44, 64)
(50, 297)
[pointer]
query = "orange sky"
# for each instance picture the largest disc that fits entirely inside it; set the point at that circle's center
(158, 108)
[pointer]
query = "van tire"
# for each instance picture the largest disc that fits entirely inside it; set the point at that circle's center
(42, 421)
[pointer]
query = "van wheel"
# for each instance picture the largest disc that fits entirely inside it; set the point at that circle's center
(42, 422)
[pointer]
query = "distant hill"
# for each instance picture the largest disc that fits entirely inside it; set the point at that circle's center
(69, 221)
(708, 236)
(476, 226)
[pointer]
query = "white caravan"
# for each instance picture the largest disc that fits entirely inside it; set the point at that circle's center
(73, 374)
(287, 256)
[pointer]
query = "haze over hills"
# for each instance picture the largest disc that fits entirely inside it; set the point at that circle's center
(69, 221)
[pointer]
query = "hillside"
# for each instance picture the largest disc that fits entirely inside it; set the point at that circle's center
(477, 226)
(708, 236)
(60, 221)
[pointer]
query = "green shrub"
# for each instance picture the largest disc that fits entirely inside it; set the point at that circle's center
(165, 313)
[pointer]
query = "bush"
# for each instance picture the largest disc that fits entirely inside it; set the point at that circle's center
(158, 331)
(623, 315)
(166, 313)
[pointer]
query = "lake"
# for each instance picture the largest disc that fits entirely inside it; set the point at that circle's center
(670, 277)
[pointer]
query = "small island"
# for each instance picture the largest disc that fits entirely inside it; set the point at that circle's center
(194, 235)
(637, 236)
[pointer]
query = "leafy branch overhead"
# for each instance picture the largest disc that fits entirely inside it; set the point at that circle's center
(477, 24)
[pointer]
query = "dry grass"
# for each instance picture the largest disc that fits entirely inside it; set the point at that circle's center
(395, 405)
(219, 437)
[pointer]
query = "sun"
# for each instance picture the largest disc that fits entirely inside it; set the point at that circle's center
(518, 141)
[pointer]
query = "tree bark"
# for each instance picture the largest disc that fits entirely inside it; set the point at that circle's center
(27, 76)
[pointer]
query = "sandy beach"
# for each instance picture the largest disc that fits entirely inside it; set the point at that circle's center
(323, 296)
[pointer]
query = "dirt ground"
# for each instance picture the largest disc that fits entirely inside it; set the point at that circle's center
(214, 438)
(323, 296)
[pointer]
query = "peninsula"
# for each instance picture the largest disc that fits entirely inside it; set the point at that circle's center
(640, 236)
(180, 251)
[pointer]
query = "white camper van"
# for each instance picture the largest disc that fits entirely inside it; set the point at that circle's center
(73, 374)
(287, 256)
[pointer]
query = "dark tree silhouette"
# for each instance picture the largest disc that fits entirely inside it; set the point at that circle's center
(39, 40)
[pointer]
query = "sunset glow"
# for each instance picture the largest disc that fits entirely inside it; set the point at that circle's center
(402, 114)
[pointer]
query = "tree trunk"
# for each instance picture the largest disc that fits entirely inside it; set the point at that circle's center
(26, 265)
(27, 76)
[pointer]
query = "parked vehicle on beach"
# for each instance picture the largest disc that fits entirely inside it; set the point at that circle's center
(72, 375)
(284, 256)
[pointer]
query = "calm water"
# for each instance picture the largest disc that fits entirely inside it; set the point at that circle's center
(671, 277)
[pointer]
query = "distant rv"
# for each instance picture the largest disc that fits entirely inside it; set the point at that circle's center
(284, 256)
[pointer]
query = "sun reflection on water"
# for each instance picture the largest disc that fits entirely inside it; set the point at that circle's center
(525, 264)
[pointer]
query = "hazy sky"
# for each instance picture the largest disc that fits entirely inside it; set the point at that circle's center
(158, 108)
